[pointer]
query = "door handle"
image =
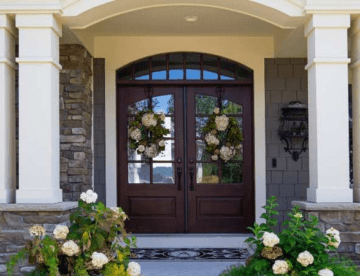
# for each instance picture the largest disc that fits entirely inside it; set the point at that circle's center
(192, 178)
(179, 173)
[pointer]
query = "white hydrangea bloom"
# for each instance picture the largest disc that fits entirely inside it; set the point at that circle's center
(134, 269)
(148, 120)
(141, 148)
(280, 267)
(326, 272)
(305, 258)
(270, 239)
(70, 248)
(214, 157)
(151, 151)
(162, 143)
(98, 260)
(211, 139)
(226, 153)
(37, 231)
(298, 215)
(89, 196)
(333, 233)
(221, 122)
(60, 232)
(216, 110)
(135, 134)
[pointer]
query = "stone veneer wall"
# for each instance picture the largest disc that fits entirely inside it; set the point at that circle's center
(15, 221)
(285, 81)
(344, 217)
(76, 159)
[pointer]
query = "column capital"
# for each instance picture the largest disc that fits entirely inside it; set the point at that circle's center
(7, 23)
(327, 21)
(355, 26)
(33, 21)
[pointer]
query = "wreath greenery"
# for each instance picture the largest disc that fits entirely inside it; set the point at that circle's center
(146, 133)
(223, 136)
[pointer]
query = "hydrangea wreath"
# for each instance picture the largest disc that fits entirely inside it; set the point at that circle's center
(301, 249)
(96, 243)
(146, 133)
(223, 136)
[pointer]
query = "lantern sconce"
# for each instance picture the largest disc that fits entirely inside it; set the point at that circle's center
(293, 128)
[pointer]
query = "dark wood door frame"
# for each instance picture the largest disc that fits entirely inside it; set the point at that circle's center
(143, 84)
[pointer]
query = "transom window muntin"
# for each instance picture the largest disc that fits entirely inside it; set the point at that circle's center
(184, 66)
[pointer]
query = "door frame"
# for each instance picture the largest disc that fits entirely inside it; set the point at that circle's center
(182, 83)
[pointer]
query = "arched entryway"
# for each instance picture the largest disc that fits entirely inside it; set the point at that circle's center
(183, 190)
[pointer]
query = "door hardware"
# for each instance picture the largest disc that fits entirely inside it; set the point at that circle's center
(192, 178)
(179, 173)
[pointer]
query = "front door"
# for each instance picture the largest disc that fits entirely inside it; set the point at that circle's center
(182, 189)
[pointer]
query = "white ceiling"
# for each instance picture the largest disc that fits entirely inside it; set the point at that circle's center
(169, 21)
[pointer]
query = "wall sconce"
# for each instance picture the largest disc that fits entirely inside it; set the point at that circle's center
(293, 128)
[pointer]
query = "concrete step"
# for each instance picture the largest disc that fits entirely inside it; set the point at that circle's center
(191, 240)
(213, 268)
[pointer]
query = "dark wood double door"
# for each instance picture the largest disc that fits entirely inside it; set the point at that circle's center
(182, 190)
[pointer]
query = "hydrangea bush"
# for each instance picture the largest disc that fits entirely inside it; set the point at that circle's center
(300, 249)
(95, 244)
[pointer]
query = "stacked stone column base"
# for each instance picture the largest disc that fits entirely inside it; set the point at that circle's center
(15, 221)
(345, 217)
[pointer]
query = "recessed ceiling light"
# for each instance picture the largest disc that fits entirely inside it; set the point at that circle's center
(191, 18)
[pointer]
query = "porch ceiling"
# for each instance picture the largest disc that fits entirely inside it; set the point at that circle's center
(170, 21)
(167, 18)
(79, 16)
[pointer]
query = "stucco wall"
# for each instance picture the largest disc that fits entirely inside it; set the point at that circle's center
(285, 81)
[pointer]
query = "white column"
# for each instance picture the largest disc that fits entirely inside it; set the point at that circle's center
(7, 110)
(328, 108)
(355, 66)
(39, 146)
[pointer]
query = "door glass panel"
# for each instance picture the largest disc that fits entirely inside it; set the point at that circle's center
(138, 173)
(137, 107)
(229, 107)
(133, 155)
(164, 104)
(207, 173)
(163, 173)
(199, 125)
(240, 122)
(168, 154)
(201, 153)
(169, 124)
(231, 172)
(205, 104)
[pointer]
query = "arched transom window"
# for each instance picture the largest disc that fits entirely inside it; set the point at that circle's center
(184, 66)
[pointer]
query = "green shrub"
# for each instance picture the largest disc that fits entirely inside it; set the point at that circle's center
(300, 249)
(96, 243)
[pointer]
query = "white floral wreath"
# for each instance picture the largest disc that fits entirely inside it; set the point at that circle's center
(218, 127)
(146, 133)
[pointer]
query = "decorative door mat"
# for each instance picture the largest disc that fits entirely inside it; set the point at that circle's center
(189, 254)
